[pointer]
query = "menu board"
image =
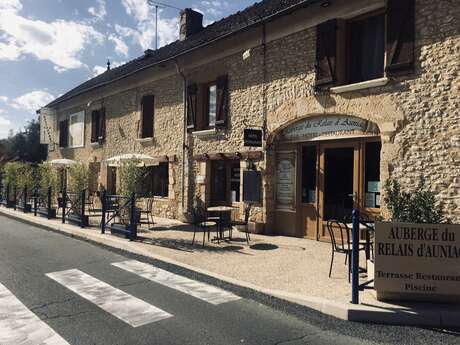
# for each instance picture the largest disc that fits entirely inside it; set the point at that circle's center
(285, 180)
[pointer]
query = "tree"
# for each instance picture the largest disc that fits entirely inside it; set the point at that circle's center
(24, 146)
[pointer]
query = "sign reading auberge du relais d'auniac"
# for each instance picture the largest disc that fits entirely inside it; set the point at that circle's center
(417, 262)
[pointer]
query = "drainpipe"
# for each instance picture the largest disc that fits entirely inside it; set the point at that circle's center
(184, 132)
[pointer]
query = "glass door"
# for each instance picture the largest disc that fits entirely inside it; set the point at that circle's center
(338, 183)
(309, 190)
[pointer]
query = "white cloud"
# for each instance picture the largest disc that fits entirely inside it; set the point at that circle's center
(11, 5)
(120, 46)
(98, 69)
(5, 126)
(100, 12)
(144, 33)
(139, 9)
(60, 41)
(3, 99)
(32, 101)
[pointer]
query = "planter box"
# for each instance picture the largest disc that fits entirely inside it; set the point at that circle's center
(8, 204)
(120, 230)
(75, 219)
(44, 212)
(27, 208)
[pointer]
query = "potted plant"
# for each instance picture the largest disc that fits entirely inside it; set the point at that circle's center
(48, 182)
(77, 183)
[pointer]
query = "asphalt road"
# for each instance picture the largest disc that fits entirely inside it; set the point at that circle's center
(87, 310)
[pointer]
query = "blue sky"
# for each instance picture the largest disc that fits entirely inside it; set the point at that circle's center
(48, 47)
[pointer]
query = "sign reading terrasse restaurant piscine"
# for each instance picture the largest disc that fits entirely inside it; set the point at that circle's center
(325, 127)
(417, 262)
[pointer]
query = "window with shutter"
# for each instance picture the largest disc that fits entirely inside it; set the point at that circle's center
(400, 36)
(147, 116)
(367, 48)
(221, 101)
(191, 106)
(211, 105)
(326, 49)
(95, 115)
(101, 132)
(63, 133)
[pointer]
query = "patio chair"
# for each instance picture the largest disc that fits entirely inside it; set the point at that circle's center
(200, 221)
(341, 243)
(244, 222)
(147, 215)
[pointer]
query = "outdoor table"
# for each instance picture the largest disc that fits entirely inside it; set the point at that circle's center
(368, 226)
(221, 210)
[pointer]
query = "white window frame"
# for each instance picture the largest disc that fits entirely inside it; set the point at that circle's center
(82, 122)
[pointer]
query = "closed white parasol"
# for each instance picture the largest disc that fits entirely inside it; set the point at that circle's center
(144, 160)
(62, 163)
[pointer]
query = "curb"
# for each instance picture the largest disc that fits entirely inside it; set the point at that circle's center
(290, 302)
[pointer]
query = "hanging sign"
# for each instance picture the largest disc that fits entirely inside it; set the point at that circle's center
(417, 262)
(252, 137)
(285, 180)
(328, 127)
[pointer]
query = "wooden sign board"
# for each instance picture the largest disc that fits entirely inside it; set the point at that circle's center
(417, 262)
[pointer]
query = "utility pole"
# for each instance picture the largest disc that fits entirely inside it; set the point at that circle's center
(158, 5)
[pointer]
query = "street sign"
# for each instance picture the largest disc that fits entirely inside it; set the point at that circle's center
(252, 137)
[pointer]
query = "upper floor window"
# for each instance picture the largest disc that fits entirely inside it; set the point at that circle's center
(77, 129)
(64, 133)
(148, 104)
(211, 109)
(98, 125)
(207, 105)
(366, 47)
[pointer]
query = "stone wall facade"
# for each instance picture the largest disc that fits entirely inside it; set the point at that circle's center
(418, 115)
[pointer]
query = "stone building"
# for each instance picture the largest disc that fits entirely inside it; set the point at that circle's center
(343, 94)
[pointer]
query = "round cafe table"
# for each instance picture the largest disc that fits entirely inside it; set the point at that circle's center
(221, 210)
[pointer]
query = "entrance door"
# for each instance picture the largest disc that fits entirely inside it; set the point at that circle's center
(309, 191)
(339, 181)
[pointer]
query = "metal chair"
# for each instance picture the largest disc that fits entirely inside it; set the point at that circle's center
(341, 243)
(244, 222)
(148, 213)
(200, 221)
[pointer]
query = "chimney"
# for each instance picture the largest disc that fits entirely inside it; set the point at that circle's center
(191, 22)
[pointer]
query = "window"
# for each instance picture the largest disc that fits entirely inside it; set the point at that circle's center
(148, 104)
(372, 174)
(64, 133)
(353, 50)
(225, 181)
(211, 106)
(366, 48)
(309, 162)
(77, 129)
(156, 181)
(98, 125)
(207, 105)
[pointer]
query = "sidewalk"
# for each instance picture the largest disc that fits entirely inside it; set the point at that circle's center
(291, 269)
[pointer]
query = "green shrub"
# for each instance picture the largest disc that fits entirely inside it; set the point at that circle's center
(78, 178)
(418, 206)
(20, 175)
(48, 177)
(130, 177)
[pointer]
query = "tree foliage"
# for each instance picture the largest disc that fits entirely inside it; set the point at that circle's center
(130, 177)
(418, 206)
(24, 146)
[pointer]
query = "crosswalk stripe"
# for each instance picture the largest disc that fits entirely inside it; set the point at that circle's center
(19, 326)
(191, 287)
(127, 308)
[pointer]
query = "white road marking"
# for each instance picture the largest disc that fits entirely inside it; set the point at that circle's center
(191, 287)
(127, 308)
(19, 326)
